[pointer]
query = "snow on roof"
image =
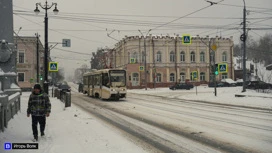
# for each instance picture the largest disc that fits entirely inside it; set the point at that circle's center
(228, 80)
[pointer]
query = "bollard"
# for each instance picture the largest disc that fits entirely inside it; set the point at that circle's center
(67, 99)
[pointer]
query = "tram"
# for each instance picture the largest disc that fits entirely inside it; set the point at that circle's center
(105, 83)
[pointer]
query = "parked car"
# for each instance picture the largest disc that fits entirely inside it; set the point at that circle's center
(218, 84)
(186, 86)
(258, 85)
(228, 83)
(64, 87)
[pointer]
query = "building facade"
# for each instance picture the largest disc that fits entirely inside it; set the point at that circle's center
(27, 61)
(169, 61)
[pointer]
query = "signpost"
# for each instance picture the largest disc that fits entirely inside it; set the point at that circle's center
(132, 60)
(141, 68)
(222, 67)
(53, 67)
(186, 39)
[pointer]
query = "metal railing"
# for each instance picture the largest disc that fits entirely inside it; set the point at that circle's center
(9, 106)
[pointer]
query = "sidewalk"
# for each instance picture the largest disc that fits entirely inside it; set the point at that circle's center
(71, 131)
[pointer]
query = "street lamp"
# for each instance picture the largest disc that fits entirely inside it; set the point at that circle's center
(37, 11)
(243, 38)
(145, 57)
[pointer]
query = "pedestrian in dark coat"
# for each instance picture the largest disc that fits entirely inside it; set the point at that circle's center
(39, 107)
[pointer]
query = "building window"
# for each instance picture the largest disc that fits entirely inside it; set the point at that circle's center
(172, 77)
(224, 57)
(135, 79)
(158, 56)
(202, 57)
(192, 56)
(202, 76)
(158, 78)
(128, 57)
(21, 57)
(135, 56)
(182, 56)
(143, 57)
(224, 75)
(21, 77)
(172, 56)
(182, 77)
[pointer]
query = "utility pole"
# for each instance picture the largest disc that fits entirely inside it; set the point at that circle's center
(154, 64)
(37, 11)
(38, 65)
(243, 38)
(145, 69)
(176, 59)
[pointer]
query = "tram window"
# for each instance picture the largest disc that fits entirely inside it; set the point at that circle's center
(105, 79)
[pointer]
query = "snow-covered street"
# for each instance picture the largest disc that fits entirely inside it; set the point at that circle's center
(153, 120)
(70, 131)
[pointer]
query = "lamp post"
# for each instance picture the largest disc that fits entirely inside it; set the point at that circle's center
(145, 58)
(243, 38)
(38, 57)
(37, 11)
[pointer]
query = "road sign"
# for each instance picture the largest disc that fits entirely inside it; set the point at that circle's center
(223, 68)
(53, 67)
(194, 74)
(132, 60)
(66, 43)
(141, 68)
(214, 47)
(186, 39)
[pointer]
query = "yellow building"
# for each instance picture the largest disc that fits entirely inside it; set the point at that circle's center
(169, 60)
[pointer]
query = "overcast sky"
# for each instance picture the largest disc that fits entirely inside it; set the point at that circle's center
(87, 22)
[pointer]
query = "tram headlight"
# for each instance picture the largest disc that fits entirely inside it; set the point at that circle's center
(112, 89)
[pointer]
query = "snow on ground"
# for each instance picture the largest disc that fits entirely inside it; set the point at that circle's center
(71, 131)
(225, 95)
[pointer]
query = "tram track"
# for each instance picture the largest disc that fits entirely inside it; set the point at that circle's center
(124, 119)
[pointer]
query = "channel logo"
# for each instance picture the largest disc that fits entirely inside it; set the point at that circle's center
(7, 146)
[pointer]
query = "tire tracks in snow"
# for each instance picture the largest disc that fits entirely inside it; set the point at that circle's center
(116, 117)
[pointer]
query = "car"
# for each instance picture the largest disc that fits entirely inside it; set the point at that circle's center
(64, 87)
(258, 85)
(186, 86)
(218, 84)
(228, 83)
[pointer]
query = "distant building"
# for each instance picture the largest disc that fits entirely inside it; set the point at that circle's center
(256, 70)
(169, 61)
(27, 61)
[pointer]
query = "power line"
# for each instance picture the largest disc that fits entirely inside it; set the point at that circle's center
(64, 50)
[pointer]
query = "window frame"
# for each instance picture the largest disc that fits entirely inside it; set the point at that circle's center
(192, 55)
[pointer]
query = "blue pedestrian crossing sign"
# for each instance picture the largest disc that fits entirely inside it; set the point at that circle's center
(194, 75)
(53, 67)
(141, 68)
(223, 68)
(186, 39)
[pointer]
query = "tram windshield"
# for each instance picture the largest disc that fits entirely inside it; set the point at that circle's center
(118, 78)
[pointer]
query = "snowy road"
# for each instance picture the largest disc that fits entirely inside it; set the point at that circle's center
(170, 125)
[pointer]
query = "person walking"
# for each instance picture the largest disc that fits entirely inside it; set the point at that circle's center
(39, 107)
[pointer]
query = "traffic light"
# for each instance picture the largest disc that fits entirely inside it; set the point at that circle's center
(216, 69)
(41, 77)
